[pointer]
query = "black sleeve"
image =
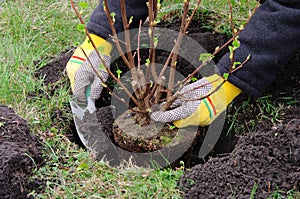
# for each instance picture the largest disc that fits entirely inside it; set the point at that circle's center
(99, 25)
(272, 37)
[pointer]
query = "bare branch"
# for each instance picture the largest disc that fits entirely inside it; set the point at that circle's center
(114, 33)
(231, 18)
(138, 46)
(152, 17)
(192, 15)
(131, 66)
(77, 13)
(177, 47)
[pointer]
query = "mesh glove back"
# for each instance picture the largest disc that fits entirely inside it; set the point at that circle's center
(192, 110)
(184, 108)
(79, 69)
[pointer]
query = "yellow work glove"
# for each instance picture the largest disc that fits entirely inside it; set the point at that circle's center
(203, 111)
(80, 72)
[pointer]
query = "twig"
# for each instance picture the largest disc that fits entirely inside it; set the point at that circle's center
(76, 12)
(231, 18)
(138, 46)
(241, 65)
(232, 54)
(92, 66)
(135, 83)
(114, 33)
(177, 46)
(152, 17)
(99, 76)
(189, 20)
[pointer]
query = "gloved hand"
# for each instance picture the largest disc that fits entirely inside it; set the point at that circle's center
(199, 112)
(80, 72)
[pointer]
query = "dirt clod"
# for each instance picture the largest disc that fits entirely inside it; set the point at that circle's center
(53, 71)
(20, 153)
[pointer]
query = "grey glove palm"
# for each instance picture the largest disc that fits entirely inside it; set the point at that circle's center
(85, 76)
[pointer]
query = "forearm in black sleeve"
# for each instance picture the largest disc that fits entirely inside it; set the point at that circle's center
(272, 37)
(99, 25)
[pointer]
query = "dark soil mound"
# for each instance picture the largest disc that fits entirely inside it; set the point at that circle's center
(269, 159)
(54, 71)
(19, 155)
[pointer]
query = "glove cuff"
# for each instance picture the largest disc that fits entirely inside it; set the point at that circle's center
(102, 45)
(231, 91)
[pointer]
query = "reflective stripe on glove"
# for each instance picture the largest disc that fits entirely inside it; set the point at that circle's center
(199, 112)
(80, 72)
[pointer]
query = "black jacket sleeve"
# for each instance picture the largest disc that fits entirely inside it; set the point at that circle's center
(99, 25)
(272, 37)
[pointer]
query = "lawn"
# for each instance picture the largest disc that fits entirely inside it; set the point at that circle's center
(34, 32)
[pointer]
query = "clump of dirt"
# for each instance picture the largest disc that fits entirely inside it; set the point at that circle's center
(20, 154)
(269, 159)
(54, 70)
(130, 131)
(179, 147)
(136, 132)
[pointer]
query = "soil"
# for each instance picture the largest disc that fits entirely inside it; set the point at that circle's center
(269, 157)
(129, 137)
(20, 153)
(143, 136)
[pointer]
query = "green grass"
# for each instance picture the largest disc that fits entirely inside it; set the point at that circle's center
(37, 31)
(267, 111)
(75, 174)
